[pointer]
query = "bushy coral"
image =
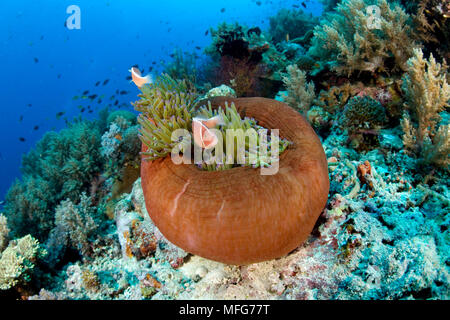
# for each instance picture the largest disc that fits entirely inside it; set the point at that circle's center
(427, 94)
(18, 260)
(60, 167)
(352, 39)
(300, 94)
(363, 117)
(166, 105)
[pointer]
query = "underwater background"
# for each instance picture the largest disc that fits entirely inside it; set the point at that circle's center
(73, 222)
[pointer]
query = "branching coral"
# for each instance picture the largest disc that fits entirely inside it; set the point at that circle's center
(17, 261)
(353, 40)
(301, 94)
(427, 95)
(166, 105)
(111, 141)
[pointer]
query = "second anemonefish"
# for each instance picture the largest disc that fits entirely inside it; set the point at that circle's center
(203, 137)
(138, 79)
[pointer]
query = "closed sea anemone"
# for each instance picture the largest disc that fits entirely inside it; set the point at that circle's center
(234, 216)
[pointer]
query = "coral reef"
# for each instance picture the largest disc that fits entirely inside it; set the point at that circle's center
(382, 240)
(350, 41)
(358, 209)
(427, 96)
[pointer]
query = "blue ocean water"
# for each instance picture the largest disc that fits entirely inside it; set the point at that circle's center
(44, 64)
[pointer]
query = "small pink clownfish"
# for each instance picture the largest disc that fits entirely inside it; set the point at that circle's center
(138, 79)
(203, 137)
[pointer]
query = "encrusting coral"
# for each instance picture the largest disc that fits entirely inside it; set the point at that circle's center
(351, 39)
(427, 96)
